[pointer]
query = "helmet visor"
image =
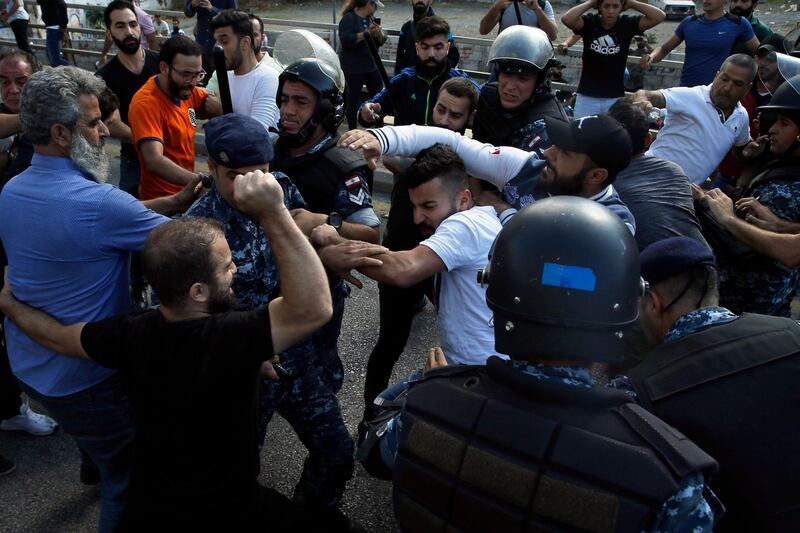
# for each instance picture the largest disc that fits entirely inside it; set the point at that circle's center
(294, 45)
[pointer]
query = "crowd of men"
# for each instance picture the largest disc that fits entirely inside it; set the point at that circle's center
(616, 349)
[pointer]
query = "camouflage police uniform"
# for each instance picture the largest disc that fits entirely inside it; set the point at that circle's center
(351, 198)
(694, 508)
(305, 400)
(761, 284)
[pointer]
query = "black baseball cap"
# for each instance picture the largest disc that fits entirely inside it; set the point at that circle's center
(600, 137)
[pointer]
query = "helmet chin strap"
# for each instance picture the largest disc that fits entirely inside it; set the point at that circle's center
(294, 140)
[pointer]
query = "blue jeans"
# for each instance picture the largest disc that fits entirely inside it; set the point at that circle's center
(590, 105)
(54, 48)
(101, 421)
(129, 174)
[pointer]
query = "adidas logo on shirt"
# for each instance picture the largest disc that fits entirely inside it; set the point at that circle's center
(605, 45)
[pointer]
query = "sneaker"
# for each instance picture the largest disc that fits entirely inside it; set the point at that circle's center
(6, 466)
(29, 421)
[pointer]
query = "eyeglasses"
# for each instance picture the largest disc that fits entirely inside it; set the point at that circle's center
(189, 74)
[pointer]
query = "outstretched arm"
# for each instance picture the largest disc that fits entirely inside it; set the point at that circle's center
(779, 246)
(660, 52)
(41, 327)
(496, 165)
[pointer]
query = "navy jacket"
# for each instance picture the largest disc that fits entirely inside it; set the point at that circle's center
(54, 12)
(416, 94)
(354, 56)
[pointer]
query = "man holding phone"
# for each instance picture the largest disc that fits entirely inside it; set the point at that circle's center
(534, 13)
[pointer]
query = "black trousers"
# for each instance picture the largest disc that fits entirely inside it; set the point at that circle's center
(396, 304)
(20, 29)
(354, 83)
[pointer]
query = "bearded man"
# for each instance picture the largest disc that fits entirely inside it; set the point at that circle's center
(163, 118)
(68, 238)
(124, 75)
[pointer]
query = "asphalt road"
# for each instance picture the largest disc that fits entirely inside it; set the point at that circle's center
(45, 495)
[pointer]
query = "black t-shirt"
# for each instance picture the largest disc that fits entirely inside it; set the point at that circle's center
(604, 55)
(193, 386)
(125, 84)
(21, 151)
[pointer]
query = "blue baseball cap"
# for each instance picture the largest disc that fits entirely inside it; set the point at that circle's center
(669, 257)
(237, 141)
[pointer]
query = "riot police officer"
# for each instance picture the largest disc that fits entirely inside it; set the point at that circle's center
(335, 183)
(237, 144)
(532, 443)
(511, 110)
(727, 381)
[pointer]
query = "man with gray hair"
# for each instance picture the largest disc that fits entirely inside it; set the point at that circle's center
(704, 122)
(68, 237)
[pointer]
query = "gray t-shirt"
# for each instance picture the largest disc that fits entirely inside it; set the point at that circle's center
(528, 16)
(658, 194)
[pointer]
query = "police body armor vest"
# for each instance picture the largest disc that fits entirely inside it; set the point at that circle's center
(493, 449)
(318, 176)
(523, 130)
(733, 389)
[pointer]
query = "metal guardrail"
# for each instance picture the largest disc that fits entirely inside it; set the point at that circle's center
(574, 51)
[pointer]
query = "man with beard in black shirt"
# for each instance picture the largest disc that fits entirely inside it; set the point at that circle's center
(124, 75)
(193, 361)
(406, 42)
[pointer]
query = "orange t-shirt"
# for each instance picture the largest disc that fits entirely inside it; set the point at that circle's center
(153, 116)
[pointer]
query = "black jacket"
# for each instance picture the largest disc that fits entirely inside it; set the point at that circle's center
(407, 52)
(54, 12)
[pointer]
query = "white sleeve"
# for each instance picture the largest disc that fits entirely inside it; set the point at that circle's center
(744, 131)
(263, 108)
(680, 99)
(497, 165)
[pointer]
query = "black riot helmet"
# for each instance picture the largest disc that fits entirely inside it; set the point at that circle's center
(328, 82)
(521, 50)
(563, 282)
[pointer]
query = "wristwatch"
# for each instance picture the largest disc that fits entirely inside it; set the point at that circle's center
(335, 220)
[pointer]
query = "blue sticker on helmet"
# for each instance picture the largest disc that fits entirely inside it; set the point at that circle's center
(569, 277)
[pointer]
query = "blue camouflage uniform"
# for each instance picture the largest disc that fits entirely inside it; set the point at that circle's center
(693, 509)
(305, 400)
(761, 284)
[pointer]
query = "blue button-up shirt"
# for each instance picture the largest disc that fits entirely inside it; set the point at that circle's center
(68, 240)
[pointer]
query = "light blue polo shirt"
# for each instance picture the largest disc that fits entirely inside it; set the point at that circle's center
(68, 240)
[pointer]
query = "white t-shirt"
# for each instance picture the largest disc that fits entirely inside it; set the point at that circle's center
(694, 136)
(462, 241)
(19, 14)
(253, 94)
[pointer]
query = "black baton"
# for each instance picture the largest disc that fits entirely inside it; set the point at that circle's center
(222, 80)
(373, 50)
